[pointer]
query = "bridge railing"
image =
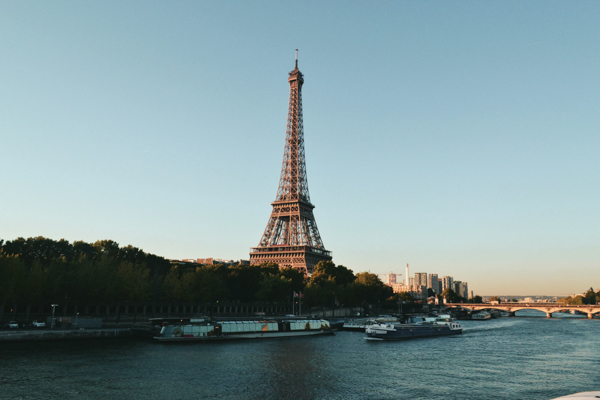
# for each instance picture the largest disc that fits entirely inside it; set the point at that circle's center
(511, 304)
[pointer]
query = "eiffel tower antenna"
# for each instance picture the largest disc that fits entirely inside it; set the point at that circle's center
(291, 238)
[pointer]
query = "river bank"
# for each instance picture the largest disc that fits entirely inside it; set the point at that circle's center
(64, 334)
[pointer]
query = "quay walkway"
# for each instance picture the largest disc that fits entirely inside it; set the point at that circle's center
(62, 334)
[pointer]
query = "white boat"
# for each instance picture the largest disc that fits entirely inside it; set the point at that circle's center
(238, 329)
(441, 326)
(582, 395)
(482, 316)
(356, 324)
(360, 324)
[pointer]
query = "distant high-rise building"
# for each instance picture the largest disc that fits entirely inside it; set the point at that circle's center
(462, 289)
(440, 286)
(421, 278)
(411, 281)
(456, 287)
(390, 279)
(447, 283)
(432, 283)
(418, 292)
(406, 280)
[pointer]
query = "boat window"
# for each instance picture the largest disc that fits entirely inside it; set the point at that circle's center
(166, 330)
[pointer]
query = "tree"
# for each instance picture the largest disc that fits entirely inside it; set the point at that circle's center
(210, 284)
(590, 297)
(448, 295)
(108, 248)
(297, 278)
(330, 285)
(477, 299)
(172, 284)
(34, 283)
(326, 270)
(274, 288)
(134, 280)
(576, 301)
(404, 296)
(83, 249)
(451, 296)
(344, 276)
(322, 293)
(11, 272)
(244, 282)
(495, 298)
(371, 289)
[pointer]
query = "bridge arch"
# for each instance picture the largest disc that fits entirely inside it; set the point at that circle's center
(547, 308)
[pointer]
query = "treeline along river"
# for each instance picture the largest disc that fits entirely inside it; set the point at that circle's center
(103, 279)
(508, 358)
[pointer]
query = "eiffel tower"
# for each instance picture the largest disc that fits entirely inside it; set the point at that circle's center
(291, 238)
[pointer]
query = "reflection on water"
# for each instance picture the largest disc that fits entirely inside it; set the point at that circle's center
(507, 358)
(291, 358)
(541, 314)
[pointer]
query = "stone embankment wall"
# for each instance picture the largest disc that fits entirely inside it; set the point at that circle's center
(135, 313)
(46, 334)
(128, 312)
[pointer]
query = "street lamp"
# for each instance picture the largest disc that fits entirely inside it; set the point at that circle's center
(53, 308)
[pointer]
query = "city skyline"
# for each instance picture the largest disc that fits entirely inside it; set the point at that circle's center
(461, 139)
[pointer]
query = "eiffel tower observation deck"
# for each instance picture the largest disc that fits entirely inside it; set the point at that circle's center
(291, 238)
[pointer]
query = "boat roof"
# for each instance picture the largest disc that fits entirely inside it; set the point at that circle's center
(189, 321)
(581, 395)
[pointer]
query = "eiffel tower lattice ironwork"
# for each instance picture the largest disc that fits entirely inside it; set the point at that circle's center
(291, 238)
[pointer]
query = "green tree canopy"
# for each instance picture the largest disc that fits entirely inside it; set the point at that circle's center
(477, 299)
(451, 296)
(327, 270)
(590, 297)
(39, 269)
(296, 277)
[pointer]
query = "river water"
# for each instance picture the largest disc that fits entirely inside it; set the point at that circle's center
(507, 358)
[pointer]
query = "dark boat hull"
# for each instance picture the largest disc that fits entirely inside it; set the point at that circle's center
(246, 336)
(410, 332)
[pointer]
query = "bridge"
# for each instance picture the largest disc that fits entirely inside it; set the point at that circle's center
(547, 308)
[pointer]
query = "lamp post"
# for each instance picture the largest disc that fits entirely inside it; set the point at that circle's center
(52, 322)
(76, 319)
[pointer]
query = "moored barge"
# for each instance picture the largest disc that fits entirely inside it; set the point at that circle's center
(207, 331)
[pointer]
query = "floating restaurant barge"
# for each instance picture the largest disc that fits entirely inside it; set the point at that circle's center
(200, 330)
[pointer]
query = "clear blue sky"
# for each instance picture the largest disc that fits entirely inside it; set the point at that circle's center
(461, 137)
